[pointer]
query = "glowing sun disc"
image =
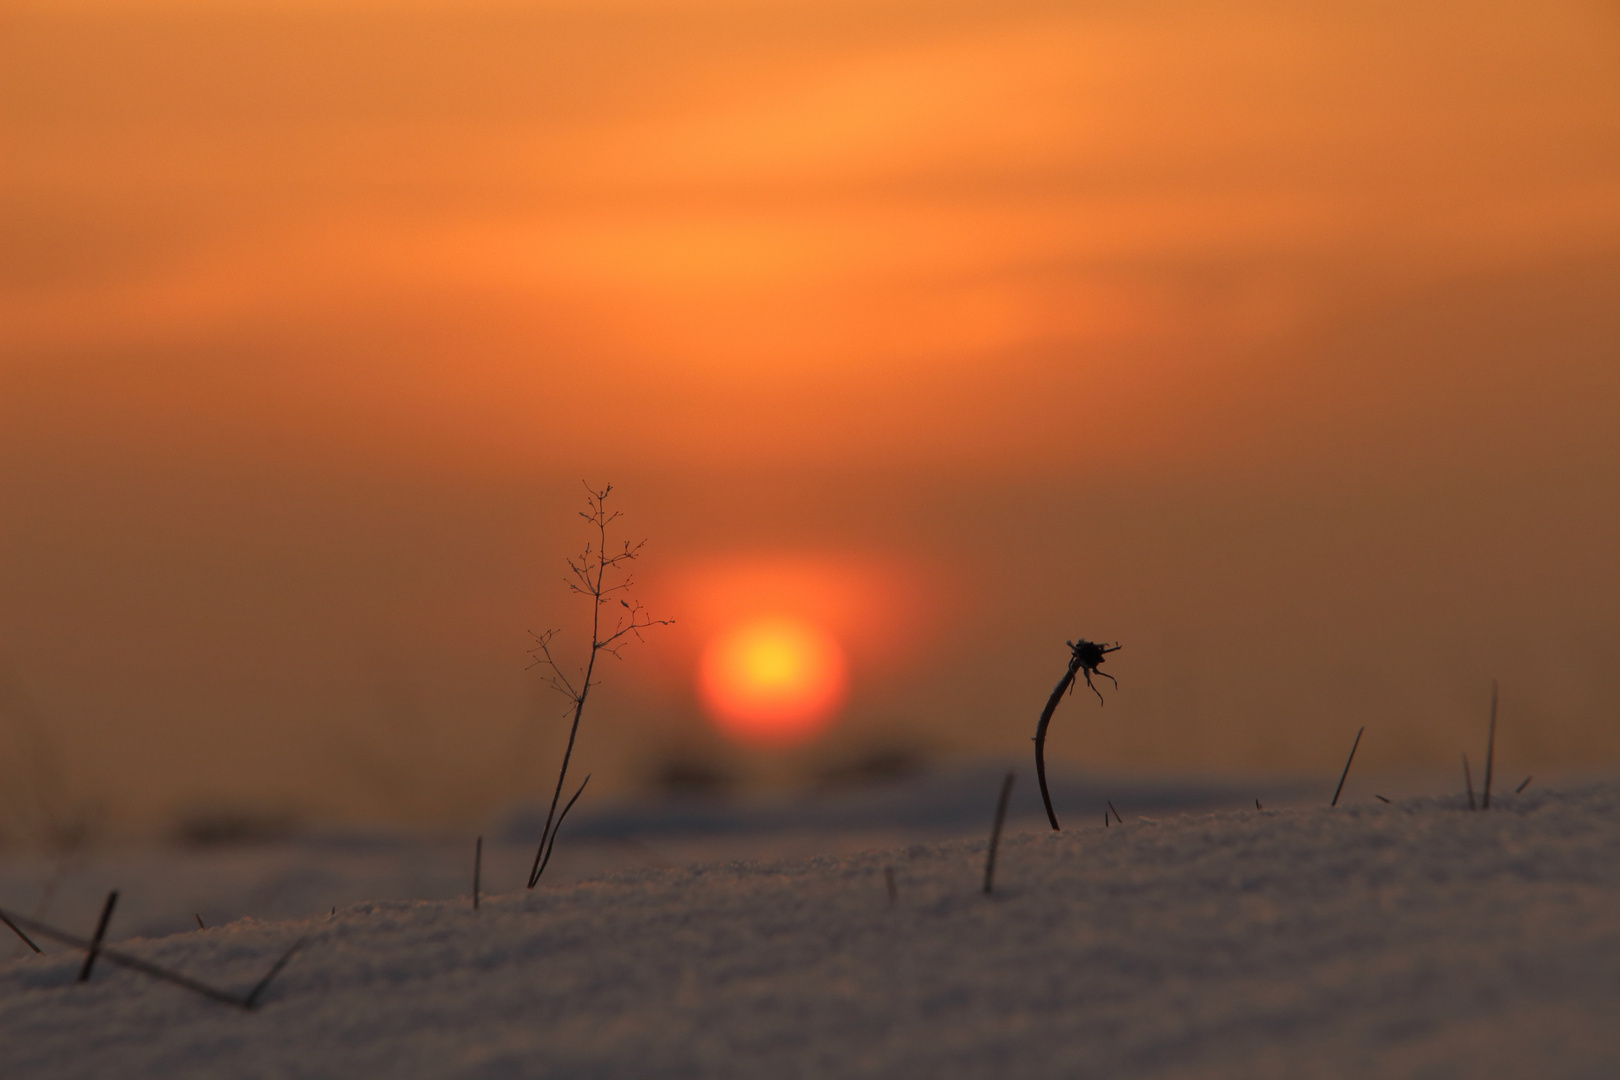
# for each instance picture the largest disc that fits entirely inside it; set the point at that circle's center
(772, 681)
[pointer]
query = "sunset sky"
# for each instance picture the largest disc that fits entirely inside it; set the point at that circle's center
(1278, 341)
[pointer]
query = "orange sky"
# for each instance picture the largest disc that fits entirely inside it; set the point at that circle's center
(312, 315)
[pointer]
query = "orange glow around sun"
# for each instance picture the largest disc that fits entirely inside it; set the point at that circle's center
(773, 681)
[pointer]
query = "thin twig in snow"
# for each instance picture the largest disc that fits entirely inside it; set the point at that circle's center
(1347, 761)
(15, 929)
(557, 829)
(151, 970)
(995, 833)
(264, 984)
(101, 932)
(1468, 778)
(1116, 812)
(1520, 789)
(478, 868)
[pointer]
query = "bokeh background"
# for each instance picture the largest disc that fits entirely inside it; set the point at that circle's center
(1278, 341)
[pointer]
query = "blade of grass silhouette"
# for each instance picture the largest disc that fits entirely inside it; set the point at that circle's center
(478, 867)
(1490, 750)
(1520, 789)
(995, 833)
(1116, 812)
(1468, 778)
(1340, 789)
(15, 929)
(557, 829)
(200, 925)
(134, 963)
(252, 1000)
(101, 932)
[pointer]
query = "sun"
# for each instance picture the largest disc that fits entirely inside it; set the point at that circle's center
(773, 681)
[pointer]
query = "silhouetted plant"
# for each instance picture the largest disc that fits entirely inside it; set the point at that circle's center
(1085, 657)
(603, 577)
(1340, 789)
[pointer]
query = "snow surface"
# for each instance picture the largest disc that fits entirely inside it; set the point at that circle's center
(163, 889)
(1409, 940)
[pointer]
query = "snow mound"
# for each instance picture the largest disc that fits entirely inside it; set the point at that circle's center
(1409, 940)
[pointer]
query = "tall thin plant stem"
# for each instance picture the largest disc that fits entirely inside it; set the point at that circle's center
(101, 932)
(995, 834)
(602, 577)
(1342, 776)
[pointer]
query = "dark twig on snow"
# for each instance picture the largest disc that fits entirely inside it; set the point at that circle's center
(1468, 778)
(1116, 812)
(995, 833)
(101, 932)
(263, 984)
(1340, 789)
(888, 882)
(15, 929)
(200, 925)
(550, 847)
(1084, 658)
(478, 869)
(1257, 805)
(151, 970)
(601, 576)
(1380, 798)
(1520, 789)
(1490, 750)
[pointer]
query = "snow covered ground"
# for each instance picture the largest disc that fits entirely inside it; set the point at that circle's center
(1413, 939)
(163, 889)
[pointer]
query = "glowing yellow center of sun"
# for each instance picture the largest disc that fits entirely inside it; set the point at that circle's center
(773, 680)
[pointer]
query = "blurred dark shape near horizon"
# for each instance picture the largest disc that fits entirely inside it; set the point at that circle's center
(921, 804)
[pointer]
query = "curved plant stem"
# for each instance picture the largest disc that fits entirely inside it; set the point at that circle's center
(1084, 659)
(1040, 735)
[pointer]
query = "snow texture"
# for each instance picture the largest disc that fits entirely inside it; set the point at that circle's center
(286, 875)
(1406, 940)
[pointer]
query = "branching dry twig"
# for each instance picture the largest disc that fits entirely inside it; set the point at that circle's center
(602, 577)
